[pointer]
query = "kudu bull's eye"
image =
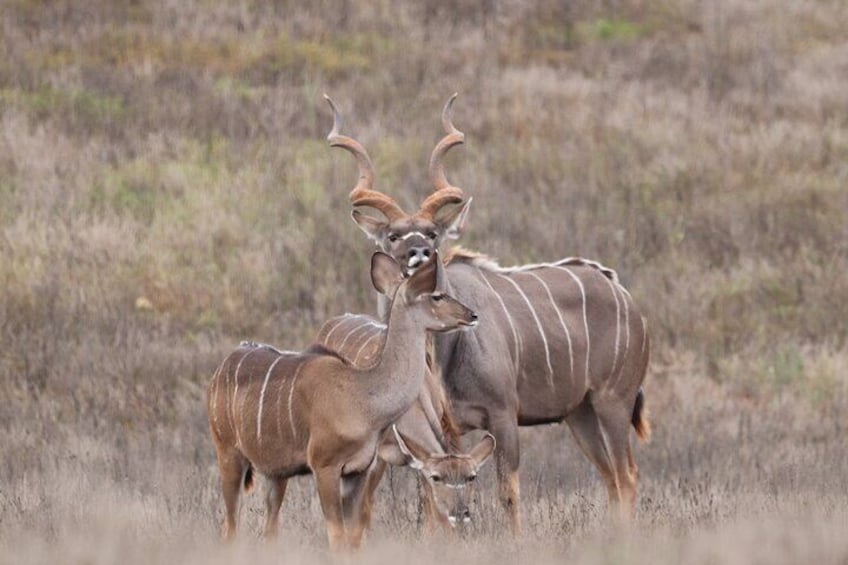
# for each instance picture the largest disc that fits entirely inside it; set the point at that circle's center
(471, 479)
(393, 237)
(436, 478)
(432, 235)
(438, 297)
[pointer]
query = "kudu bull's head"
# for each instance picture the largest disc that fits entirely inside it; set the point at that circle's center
(411, 239)
(449, 478)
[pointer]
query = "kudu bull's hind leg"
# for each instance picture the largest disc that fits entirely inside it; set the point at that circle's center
(614, 419)
(273, 501)
(600, 438)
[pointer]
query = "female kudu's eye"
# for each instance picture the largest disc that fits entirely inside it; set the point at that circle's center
(393, 237)
(432, 235)
(436, 478)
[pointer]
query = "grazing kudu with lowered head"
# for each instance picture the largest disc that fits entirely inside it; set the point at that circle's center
(427, 425)
(285, 414)
(561, 341)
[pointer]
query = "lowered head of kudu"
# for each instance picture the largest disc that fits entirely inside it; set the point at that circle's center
(411, 239)
(448, 478)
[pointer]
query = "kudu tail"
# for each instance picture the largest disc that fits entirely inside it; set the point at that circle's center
(639, 419)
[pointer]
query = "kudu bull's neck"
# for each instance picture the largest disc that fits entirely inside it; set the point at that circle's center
(398, 376)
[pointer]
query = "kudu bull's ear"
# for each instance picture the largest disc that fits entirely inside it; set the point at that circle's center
(386, 274)
(425, 279)
(483, 450)
(453, 222)
(415, 454)
(372, 227)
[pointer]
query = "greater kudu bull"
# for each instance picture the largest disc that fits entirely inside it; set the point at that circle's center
(561, 341)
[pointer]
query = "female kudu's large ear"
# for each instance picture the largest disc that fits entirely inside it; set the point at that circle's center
(386, 274)
(414, 452)
(483, 450)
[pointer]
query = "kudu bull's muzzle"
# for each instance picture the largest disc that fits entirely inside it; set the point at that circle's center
(417, 256)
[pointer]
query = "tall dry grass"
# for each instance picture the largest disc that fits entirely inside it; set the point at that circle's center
(167, 191)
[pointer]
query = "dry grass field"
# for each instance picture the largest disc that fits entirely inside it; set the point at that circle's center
(166, 191)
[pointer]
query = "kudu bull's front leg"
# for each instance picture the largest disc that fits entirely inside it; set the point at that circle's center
(507, 458)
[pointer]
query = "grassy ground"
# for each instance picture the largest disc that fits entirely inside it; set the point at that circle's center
(167, 191)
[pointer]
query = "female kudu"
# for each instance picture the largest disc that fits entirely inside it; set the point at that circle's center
(285, 414)
(426, 438)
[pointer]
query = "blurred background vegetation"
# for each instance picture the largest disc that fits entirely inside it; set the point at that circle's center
(167, 189)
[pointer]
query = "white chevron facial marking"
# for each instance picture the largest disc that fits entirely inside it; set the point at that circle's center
(508, 318)
(412, 233)
(561, 321)
(262, 399)
(538, 326)
(585, 317)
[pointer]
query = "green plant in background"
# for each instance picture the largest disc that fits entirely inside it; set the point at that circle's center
(785, 369)
(611, 29)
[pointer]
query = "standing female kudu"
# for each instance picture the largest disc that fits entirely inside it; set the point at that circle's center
(562, 341)
(432, 444)
(321, 414)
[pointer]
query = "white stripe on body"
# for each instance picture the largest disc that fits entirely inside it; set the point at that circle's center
(538, 325)
(344, 319)
(617, 329)
(262, 400)
(362, 347)
(228, 392)
(516, 343)
(368, 323)
(644, 334)
(291, 393)
(235, 397)
(350, 333)
(606, 271)
(561, 321)
(213, 407)
(585, 317)
(626, 334)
